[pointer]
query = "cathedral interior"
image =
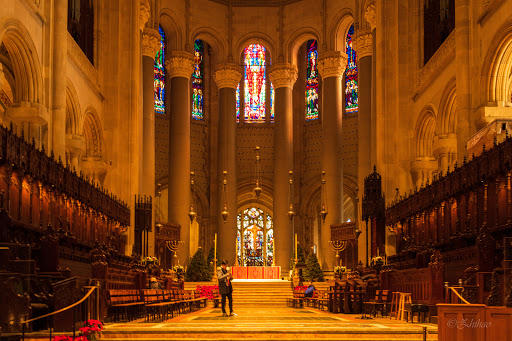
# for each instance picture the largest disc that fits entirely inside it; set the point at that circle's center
(370, 135)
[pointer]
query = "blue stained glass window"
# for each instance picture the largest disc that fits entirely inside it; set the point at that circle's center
(197, 82)
(159, 75)
(351, 86)
(312, 81)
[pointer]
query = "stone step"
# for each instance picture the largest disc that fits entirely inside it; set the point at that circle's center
(257, 336)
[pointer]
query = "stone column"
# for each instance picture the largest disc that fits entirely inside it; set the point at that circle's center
(364, 49)
(180, 66)
(462, 75)
(283, 76)
(370, 14)
(227, 78)
(58, 109)
(331, 65)
(150, 46)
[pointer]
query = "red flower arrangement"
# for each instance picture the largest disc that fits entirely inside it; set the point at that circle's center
(89, 332)
(207, 291)
(301, 287)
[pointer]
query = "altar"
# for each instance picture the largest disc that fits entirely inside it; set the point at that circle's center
(256, 272)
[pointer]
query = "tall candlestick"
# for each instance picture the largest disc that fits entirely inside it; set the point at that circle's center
(214, 278)
(296, 247)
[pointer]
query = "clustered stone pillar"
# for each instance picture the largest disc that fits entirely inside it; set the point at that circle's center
(283, 77)
(422, 169)
(180, 66)
(331, 65)
(445, 150)
(150, 46)
(75, 147)
(58, 112)
(227, 78)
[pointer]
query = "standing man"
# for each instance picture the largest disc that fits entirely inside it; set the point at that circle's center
(225, 288)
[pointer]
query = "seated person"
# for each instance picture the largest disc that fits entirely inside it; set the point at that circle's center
(310, 290)
(154, 284)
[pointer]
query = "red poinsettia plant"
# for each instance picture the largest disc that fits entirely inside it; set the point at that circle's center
(301, 287)
(208, 291)
(89, 332)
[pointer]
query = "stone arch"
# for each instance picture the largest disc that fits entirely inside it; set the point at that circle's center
(349, 199)
(246, 195)
(425, 131)
(73, 111)
(447, 122)
(173, 31)
(497, 67)
(93, 134)
(25, 63)
(338, 29)
(213, 39)
(296, 40)
(254, 38)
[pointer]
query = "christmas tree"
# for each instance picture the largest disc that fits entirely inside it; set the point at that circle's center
(313, 271)
(198, 270)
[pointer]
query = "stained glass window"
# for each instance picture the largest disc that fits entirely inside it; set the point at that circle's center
(351, 76)
(272, 99)
(197, 82)
(312, 81)
(254, 76)
(238, 103)
(159, 77)
(255, 238)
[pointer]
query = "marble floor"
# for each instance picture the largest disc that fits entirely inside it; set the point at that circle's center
(275, 323)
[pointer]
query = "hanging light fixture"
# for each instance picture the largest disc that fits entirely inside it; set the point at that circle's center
(257, 189)
(323, 211)
(291, 212)
(192, 214)
(224, 212)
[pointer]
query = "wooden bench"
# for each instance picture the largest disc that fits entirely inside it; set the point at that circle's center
(124, 303)
(157, 304)
(297, 301)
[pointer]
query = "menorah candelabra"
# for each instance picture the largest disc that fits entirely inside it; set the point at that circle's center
(338, 246)
(174, 245)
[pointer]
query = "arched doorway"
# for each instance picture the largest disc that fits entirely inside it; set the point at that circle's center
(255, 238)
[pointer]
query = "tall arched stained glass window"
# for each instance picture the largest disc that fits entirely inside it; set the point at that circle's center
(351, 76)
(197, 82)
(238, 103)
(254, 82)
(312, 81)
(159, 77)
(272, 101)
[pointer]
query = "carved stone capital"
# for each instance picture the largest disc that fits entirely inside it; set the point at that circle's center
(75, 144)
(228, 76)
(144, 13)
(370, 13)
(332, 64)
(180, 64)
(363, 44)
(150, 42)
(283, 75)
(443, 144)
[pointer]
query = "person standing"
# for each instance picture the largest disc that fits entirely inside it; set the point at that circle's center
(225, 287)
